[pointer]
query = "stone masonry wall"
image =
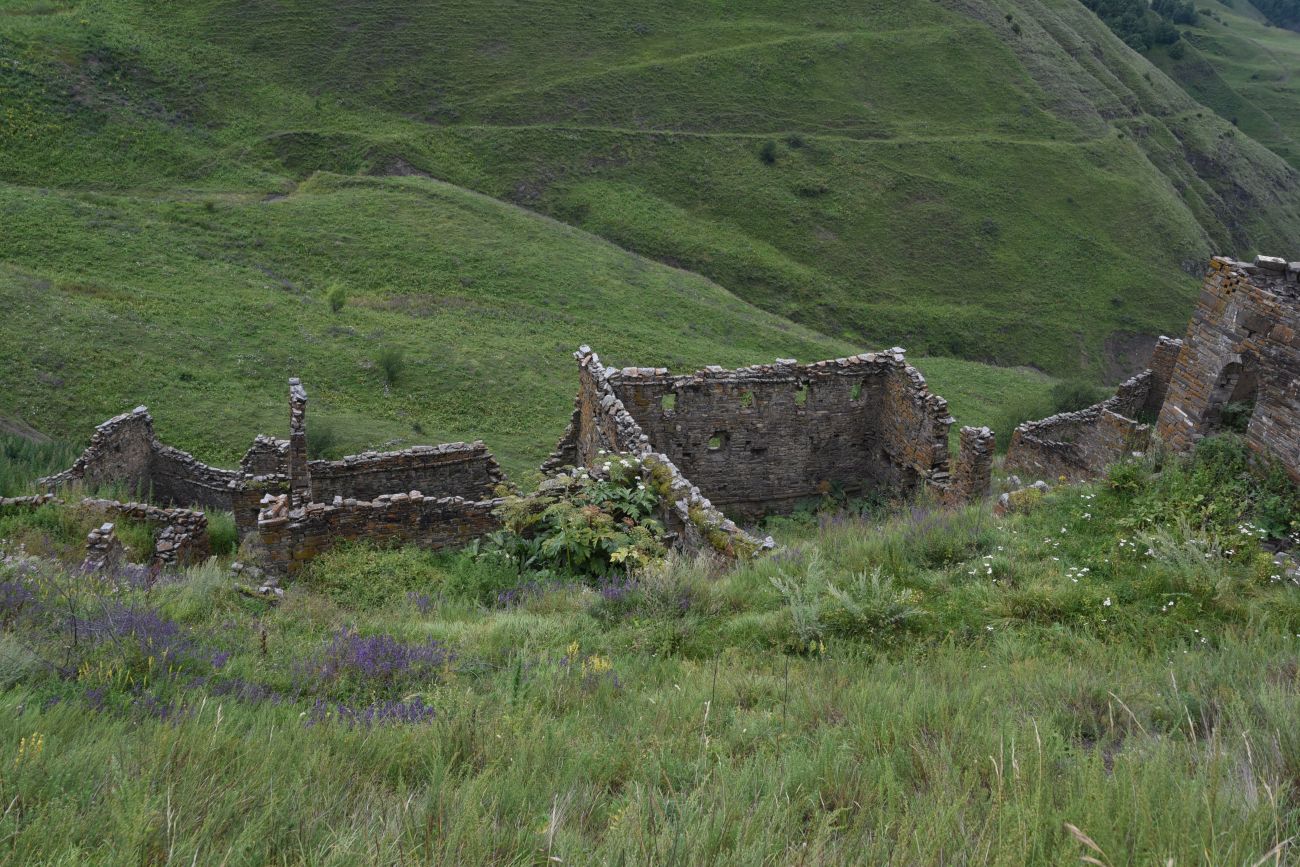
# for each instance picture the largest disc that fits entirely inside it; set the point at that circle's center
(182, 534)
(1246, 329)
(465, 470)
(120, 453)
(602, 424)
(124, 451)
(1080, 445)
(762, 438)
(972, 473)
(291, 537)
(1163, 360)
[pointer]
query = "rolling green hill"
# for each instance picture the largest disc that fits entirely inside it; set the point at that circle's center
(1002, 183)
(201, 306)
(1246, 70)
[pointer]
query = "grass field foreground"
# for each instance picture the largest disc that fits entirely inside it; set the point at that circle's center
(935, 687)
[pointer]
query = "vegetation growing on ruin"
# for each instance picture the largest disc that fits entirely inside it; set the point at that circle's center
(938, 685)
(585, 523)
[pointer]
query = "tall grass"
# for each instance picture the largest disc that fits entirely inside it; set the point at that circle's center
(22, 461)
(932, 687)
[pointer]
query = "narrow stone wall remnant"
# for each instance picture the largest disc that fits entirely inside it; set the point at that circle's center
(972, 474)
(299, 474)
(103, 549)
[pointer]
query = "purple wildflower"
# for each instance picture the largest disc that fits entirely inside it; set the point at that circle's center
(423, 602)
(375, 660)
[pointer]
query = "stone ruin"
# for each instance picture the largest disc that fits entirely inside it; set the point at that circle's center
(180, 536)
(727, 445)
(758, 440)
(1240, 355)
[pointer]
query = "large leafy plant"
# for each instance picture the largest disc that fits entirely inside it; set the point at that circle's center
(585, 521)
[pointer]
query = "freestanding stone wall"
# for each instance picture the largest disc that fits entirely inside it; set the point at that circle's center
(468, 469)
(292, 537)
(1242, 347)
(1080, 445)
(124, 451)
(972, 474)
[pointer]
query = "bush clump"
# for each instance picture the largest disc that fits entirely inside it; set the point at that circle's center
(337, 297)
(391, 362)
(587, 523)
(1072, 395)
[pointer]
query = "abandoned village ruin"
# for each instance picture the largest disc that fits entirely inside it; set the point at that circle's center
(1240, 357)
(720, 445)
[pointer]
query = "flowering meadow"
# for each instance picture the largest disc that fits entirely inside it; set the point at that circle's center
(1111, 671)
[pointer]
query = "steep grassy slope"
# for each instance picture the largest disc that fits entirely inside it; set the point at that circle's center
(1002, 182)
(201, 306)
(1246, 70)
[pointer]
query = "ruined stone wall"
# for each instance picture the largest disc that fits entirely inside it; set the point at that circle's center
(761, 438)
(125, 452)
(1076, 445)
(182, 534)
(299, 474)
(602, 425)
(1246, 327)
(453, 469)
(267, 456)
(177, 477)
(291, 537)
(1164, 358)
(120, 453)
(972, 473)
(1081, 445)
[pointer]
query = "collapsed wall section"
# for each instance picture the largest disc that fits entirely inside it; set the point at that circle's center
(432, 496)
(1241, 356)
(760, 439)
(466, 470)
(1080, 445)
(125, 452)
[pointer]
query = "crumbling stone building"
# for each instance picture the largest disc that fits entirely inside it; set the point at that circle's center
(759, 439)
(1241, 351)
(1240, 359)
(430, 495)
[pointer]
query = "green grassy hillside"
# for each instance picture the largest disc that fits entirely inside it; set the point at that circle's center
(1002, 182)
(1246, 70)
(202, 305)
